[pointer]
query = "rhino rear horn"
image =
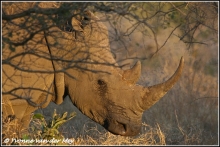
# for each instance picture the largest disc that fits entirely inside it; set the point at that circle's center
(156, 92)
(132, 75)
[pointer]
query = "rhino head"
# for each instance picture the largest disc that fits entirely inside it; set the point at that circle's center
(88, 73)
(114, 100)
(107, 94)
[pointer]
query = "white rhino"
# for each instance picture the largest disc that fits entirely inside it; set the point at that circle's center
(40, 66)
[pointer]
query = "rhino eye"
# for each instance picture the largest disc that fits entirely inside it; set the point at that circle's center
(100, 82)
(102, 88)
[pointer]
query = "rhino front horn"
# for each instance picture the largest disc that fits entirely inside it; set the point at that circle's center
(156, 92)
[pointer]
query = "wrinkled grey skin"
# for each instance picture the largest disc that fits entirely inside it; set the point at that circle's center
(88, 73)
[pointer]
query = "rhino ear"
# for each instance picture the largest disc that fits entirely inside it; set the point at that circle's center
(76, 25)
(132, 75)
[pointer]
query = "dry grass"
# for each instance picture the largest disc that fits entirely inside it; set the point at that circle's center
(154, 136)
(11, 128)
(149, 136)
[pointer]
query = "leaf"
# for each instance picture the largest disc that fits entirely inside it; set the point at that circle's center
(64, 115)
(38, 116)
(59, 123)
(25, 136)
(54, 113)
(73, 114)
(53, 131)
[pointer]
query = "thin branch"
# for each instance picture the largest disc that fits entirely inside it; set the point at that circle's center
(23, 88)
(28, 98)
(165, 41)
(177, 8)
(196, 26)
(27, 39)
(45, 11)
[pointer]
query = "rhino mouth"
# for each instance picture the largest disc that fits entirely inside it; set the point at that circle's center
(121, 128)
